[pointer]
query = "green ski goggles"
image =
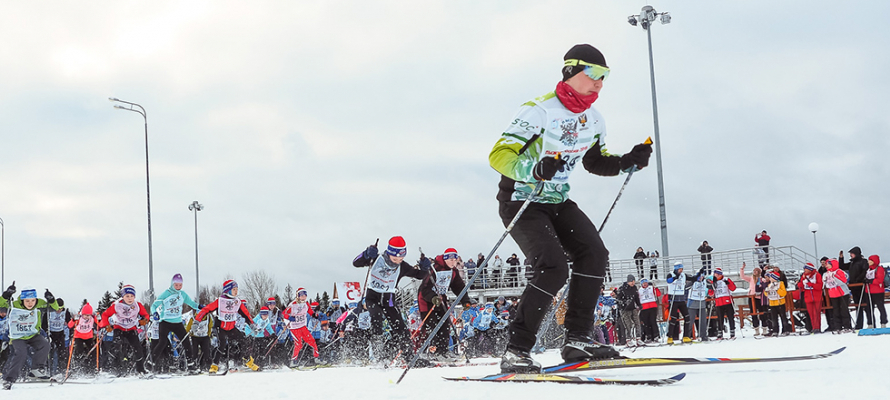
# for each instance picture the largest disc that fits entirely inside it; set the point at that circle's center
(594, 71)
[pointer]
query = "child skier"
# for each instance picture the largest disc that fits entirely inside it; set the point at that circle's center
(678, 282)
(723, 288)
(24, 325)
(170, 303)
(835, 280)
(57, 323)
(811, 286)
(380, 299)
(128, 314)
(649, 296)
(228, 307)
(297, 313)
(200, 332)
(776, 292)
(432, 297)
(84, 325)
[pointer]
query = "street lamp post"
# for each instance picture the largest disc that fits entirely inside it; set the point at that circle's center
(194, 208)
(647, 16)
(141, 111)
(813, 228)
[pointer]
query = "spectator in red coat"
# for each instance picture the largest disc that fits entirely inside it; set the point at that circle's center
(835, 280)
(649, 298)
(874, 280)
(762, 240)
(810, 285)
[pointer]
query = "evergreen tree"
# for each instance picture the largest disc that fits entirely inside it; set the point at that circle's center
(117, 294)
(107, 300)
(288, 294)
(317, 299)
(325, 302)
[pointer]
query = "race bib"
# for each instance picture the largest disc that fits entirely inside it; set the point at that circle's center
(699, 291)
(383, 278)
(443, 282)
(56, 321)
(84, 324)
(126, 315)
(22, 323)
(298, 312)
(870, 274)
(647, 295)
(721, 289)
(228, 309)
(173, 306)
(678, 286)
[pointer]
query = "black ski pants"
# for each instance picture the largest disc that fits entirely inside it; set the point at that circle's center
(649, 323)
(550, 235)
(440, 341)
(229, 345)
(726, 311)
(877, 301)
(678, 310)
(163, 330)
(58, 351)
(131, 337)
(201, 350)
(840, 310)
(779, 315)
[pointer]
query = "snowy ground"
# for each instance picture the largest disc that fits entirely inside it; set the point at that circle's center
(860, 372)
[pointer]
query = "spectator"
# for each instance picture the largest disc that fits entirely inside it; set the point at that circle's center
(810, 285)
(470, 266)
(649, 296)
(461, 268)
(497, 269)
(856, 270)
(653, 264)
(513, 273)
(705, 251)
(480, 262)
(755, 295)
(639, 256)
(835, 280)
(874, 279)
(629, 303)
(776, 292)
(762, 240)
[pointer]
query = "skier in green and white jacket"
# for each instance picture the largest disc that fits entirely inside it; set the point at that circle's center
(24, 332)
(549, 137)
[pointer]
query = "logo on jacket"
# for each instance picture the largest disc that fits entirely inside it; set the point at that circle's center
(569, 129)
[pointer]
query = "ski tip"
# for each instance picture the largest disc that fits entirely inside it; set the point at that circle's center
(838, 351)
(678, 377)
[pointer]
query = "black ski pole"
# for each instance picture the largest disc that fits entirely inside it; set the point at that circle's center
(538, 187)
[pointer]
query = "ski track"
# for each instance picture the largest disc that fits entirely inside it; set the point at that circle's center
(831, 378)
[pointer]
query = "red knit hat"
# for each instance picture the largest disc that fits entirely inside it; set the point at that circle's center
(449, 253)
(396, 247)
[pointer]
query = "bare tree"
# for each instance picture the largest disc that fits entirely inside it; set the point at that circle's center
(288, 295)
(257, 286)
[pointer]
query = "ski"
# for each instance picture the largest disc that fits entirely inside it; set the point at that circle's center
(651, 362)
(557, 378)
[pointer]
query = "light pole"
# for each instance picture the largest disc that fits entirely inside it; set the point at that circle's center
(2, 254)
(194, 208)
(141, 111)
(645, 19)
(813, 228)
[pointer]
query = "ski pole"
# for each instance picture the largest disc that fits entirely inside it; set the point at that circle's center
(367, 274)
(538, 187)
(414, 334)
(70, 352)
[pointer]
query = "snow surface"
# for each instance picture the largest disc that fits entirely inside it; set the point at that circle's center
(860, 372)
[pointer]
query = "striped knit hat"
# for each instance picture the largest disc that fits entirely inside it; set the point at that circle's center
(773, 274)
(128, 289)
(396, 247)
(228, 286)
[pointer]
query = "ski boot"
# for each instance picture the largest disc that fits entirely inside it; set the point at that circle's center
(686, 339)
(670, 340)
(732, 334)
(214, 369)
(250, 364)
(38, 374)
(580, 347)
(7, 385)
(516, 361)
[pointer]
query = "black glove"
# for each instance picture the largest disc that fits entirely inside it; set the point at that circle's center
(437, 301)
(548, 167)
(425, 264)
(7, 294)
(370, 253)
(49, 297)
(638, 156)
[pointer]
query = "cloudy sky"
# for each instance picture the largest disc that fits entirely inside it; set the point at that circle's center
(309, 129)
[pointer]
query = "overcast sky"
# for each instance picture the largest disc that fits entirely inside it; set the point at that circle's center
(309, 129)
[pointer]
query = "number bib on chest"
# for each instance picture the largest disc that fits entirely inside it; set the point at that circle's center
(443, 281)
(298, 312)
(699, 291)
(22, 323)
(126, 315)
(647, 295)
(56, 321)
(720, 289)
(228, 309)
(383, 277)
(678, 286)
(173, 306)
(84, 324)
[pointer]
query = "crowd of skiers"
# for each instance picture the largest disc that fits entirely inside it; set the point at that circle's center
(43, 338)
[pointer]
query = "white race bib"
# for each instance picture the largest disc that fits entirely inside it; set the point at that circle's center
(22, 323)
(721, 289)
(678, 286)
(443, 282)
(173, 306)
(56, 321)
(84, 324)
(647, 295)
(383, 277)
(126, 316)
(228, 309)
(698, 292)
(298, 312)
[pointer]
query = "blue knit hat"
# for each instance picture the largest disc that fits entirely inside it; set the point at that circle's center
(228, 286)
(677, 265)
(128, 289)
(28, 293)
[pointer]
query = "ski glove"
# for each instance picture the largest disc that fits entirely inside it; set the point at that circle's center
(437, 301)
(638, 156)
(425, 264)
(371, 253)
(49, 297)
(7, 294)
(292, 318)
(548, 167)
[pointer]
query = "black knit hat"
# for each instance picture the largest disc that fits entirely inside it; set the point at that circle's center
(583, 52)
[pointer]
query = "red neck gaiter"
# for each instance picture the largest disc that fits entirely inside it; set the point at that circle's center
(571, 99)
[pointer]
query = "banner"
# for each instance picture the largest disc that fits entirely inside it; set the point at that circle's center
(348, 292)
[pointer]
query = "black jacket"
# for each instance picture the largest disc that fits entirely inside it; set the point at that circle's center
(628, 298)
